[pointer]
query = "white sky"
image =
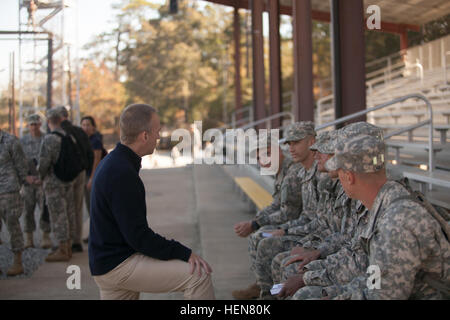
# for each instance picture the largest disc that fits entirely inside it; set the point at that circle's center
(94, 17)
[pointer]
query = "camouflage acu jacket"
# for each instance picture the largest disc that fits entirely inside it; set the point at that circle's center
(408, 247)
(31, 146)
(287, 203)
(13, 164)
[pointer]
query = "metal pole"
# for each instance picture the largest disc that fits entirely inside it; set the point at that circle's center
(63, 58)
(49, 73)
(259, 101)
(336, 58)
(77, 69)
(225, 85)
(303, 74)
(20, 78)
(13, 96)
(70, 84)
(275, 60)
(444, 59)
(237, 59)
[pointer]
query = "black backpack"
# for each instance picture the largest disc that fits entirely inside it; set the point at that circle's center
(68, 165)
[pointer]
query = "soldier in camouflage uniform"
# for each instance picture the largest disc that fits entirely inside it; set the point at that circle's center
(407, 243)
(55, 190)
(296, 232)
(342, 256)
(286, 205)
(33, 194)
(330, 213)
(300, 136)
(13, 174)
(75, 226)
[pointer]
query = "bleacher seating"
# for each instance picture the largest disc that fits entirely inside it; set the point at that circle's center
(257, 195)
(407, 151)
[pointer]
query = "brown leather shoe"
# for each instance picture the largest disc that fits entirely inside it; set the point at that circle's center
(252, 292)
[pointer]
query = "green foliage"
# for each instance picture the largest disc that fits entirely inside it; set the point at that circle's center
(431, 31)
(175, 61)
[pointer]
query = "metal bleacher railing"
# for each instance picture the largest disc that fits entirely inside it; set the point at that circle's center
(428, 122)
(428, 178)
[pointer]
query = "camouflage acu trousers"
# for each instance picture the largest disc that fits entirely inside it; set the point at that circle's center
(11, 206)
(268, 248)
(57, 207)
(71, 214)
(280, 274)
(253, 242)
(277, 266)
(32, 196)
(78, 194)
(308, 293)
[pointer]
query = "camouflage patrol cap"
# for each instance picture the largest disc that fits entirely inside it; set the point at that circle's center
(325, 142)
(34, 118)
(264, 141)
(53, 113)
(360, 128)
(62, 111)
(298, 131)
(360, 154)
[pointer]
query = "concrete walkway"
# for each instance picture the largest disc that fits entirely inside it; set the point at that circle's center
(195, 205)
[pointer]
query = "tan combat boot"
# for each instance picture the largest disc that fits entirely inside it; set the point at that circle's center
(252, 292)
(17, 267)
(46, 243)
(61, 254)
(29, 240)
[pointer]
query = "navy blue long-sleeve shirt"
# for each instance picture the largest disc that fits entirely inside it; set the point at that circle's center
(118, 226)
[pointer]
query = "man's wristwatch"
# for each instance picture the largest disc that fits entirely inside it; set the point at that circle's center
(255, 225)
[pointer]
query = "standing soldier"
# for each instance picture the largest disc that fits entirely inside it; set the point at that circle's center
(55, 189)
(13, 174)
(75, 195)
(32, 193)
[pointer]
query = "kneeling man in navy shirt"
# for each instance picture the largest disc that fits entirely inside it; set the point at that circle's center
(126, 256)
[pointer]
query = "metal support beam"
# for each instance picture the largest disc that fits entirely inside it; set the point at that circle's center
(258, 59)
(12, 106)
(275, 61)
(51, 15)
(49, 58)
(348, 57)
(49, 73)
(303, 79)
(237, 61)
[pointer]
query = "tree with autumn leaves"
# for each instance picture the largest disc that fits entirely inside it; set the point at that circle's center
(101, 95)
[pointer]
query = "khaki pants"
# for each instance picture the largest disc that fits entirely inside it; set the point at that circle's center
(78, 193)
(140, 273)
